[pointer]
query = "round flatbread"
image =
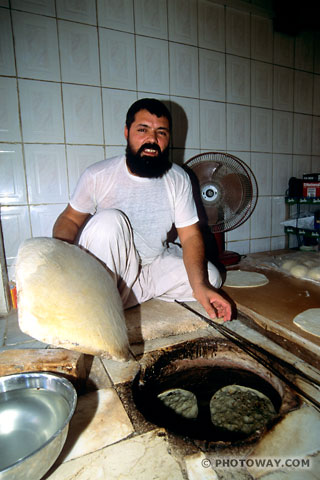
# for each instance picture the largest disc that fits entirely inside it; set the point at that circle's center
(240, 409)
(309, 321)
(181, 401)
(243, 279)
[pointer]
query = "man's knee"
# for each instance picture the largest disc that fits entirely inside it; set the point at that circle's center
(110, 223)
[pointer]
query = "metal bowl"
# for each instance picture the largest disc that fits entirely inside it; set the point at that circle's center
(35, 411)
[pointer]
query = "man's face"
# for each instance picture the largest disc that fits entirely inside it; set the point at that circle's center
(148, 145)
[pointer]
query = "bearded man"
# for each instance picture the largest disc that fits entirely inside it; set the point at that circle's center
(123, 208)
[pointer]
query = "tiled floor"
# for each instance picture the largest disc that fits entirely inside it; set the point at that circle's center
(104, 441)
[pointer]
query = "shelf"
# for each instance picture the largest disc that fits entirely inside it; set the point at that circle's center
(303, 200)
(303, 231)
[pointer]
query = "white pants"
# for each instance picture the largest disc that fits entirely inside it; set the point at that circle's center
(108, 236)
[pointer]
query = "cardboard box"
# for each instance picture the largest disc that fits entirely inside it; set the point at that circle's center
(311, 177)
(311, 189)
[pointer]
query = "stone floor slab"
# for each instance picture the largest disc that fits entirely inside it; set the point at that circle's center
(143, 457)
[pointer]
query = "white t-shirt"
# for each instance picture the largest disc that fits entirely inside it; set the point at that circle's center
(151, 205)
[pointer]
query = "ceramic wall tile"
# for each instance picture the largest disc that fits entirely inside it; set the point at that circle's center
(84, 11)
(212, 75)
(211, 26)
(114, 150)
(303, 92)
(79, 157)
(260, 245)
(282, 132)
(9, 111)
(46, 170)
(117, 14)
(151, 18)
(36, 45)
(244, 156)
(213, 133)
(183, 22)
(79, 53)
(261, 84)
(301, 164)
(241, 247)
(41, 111)
(282, 172)
(261, 130)
(181, 155)
(302, 134)
(184, 70)
(304, 51)
(278, 209)
(238, 32)
(283, 88)
(316, 94)
(238, 127)
(315, 163)
(238, 80)
(83, 114)
(4, 3)
(44, 7)
(283, 53)
(152, 65)
(242, 232)
(16, 228)
(43, 217)
(115, 106)
(12, 176)
(261, 165)
(261, 218)
(185, 121)
(117, 59)
(7, 63)
(278, 243)
(316, 136)
(261, 38)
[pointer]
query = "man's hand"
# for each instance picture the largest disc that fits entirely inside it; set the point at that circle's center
(215, 305)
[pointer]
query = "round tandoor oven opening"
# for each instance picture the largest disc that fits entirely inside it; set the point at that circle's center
(201, 373)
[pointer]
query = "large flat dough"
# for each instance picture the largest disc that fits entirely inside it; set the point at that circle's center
(244, 279)
(68, 299)
(309, 321)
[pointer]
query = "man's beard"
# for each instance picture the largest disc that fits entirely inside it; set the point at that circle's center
(148, 166)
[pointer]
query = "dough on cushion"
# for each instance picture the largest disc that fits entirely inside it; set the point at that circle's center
(242, 278)
(309, 321)
(68, 299)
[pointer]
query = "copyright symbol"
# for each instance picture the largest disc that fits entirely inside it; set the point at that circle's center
(206, 463)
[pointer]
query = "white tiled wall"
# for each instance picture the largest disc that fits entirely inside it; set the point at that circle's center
(70, 69)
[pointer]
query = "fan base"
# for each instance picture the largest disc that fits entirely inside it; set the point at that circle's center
(229, 258)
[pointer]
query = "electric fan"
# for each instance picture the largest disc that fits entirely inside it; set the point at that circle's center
(226, 193)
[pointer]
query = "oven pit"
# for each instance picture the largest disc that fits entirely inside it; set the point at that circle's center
(201, 368)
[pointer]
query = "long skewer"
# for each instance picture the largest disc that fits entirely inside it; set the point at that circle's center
(245, 345)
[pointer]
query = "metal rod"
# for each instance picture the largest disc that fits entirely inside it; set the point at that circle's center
(245, 345)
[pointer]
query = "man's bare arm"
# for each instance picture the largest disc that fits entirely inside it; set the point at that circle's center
(196, 266)
(68, 224)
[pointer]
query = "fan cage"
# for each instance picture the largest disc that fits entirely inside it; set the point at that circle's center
(226, 169)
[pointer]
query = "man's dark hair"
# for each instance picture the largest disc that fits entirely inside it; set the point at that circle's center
(152, 105)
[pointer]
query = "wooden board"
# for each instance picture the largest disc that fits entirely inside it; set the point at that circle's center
(274, 306)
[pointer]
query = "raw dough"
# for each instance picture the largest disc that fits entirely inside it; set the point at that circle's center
(299, 271)
(181, 401)
(288, 264)
(240, 409)
(314, 273)
(68, 299)
(241, 278)
(309, 321)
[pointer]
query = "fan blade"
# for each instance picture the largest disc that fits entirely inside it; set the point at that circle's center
(205, 171)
